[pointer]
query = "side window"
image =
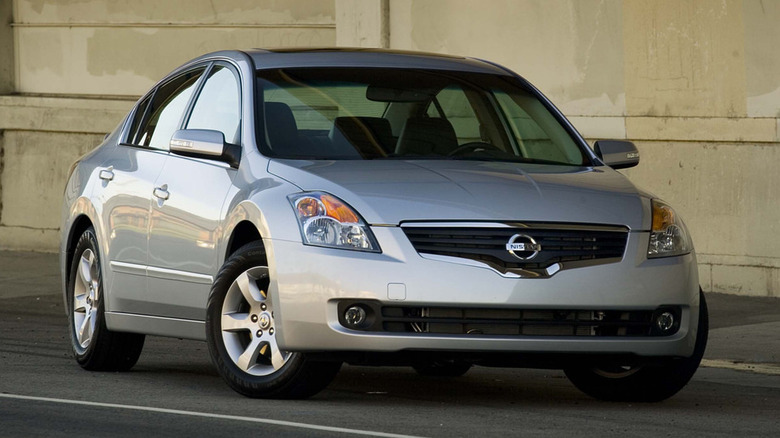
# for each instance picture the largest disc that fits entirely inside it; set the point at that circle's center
(531, 124)
(219, 106)
(137, 119)
(163, 115)
(457, 109)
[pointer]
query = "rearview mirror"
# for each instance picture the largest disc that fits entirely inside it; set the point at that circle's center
(205, 143)
(377, 93)
(617, 154)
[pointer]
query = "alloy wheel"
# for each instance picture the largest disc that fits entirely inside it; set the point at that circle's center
(86, 296)
(247, 324)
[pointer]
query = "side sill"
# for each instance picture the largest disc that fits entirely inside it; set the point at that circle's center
(156, 325)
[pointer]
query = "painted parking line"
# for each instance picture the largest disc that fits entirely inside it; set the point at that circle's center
(209, 415)
(759, 368)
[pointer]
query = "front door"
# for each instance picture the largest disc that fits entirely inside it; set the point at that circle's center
(188, 209)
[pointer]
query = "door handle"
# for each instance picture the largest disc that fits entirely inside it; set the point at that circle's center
(162, 192)
(107, 174)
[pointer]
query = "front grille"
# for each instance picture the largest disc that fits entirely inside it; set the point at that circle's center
(476, 321)
(488, 245)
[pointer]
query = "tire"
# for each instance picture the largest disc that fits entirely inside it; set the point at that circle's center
(442, 368)
(643, 383)
(240, 333)
(95, 347)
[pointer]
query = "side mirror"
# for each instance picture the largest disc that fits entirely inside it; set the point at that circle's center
(205, 143)
(617, 154)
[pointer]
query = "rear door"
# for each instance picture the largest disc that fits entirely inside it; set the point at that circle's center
(127, 182)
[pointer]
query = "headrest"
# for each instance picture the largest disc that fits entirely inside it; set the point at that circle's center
(280, 125)
(426, 136)
(371, 136)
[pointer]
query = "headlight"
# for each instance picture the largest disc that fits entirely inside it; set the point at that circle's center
(668, 236)
(325, 220)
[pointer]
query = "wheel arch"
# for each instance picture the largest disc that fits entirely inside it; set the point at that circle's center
(80, 224)
(244, 224)
(79, 216)
(243, 233)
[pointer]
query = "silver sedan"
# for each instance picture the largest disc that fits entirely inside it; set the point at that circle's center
(297, 209)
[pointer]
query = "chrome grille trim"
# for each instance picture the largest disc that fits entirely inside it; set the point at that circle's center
(563, 246)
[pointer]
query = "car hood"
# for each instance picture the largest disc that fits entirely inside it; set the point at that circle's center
(395, 191)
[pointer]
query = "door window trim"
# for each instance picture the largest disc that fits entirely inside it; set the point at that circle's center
(125, 141)
(202, 82)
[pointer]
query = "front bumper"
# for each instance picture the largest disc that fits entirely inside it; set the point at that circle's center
(308, 282)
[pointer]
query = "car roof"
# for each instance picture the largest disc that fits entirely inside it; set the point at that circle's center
(361, 57)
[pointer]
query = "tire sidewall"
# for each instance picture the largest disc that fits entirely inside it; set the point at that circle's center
(242, 260)
(88, 240)
(650, 383)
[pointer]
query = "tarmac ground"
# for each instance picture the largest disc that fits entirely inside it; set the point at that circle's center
(174, 389)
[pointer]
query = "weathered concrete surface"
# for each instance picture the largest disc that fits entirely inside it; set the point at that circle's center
(42, 137)
(224, 12)
(7, 71)
(122, 48)
(129, 60)
(685, 58)
(762, 65)
(363, 23)
(63, 114)
(36, 167)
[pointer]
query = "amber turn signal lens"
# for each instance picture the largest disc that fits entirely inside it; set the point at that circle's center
(663, 216)
(309, 207)
(337, 210)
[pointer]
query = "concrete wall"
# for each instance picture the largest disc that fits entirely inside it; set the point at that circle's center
(123, 47)
(71, 69)
(695, 83)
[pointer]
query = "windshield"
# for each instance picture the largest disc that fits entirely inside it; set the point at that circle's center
(372, 113)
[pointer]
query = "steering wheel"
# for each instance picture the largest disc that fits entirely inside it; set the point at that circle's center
(473, 146)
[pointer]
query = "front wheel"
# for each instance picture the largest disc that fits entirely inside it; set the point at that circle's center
(241, 333)
(643, 383)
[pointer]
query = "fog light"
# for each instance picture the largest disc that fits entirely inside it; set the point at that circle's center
(665, 321)
(355, 316)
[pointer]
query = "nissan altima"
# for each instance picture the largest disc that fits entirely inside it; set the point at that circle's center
(299, 209)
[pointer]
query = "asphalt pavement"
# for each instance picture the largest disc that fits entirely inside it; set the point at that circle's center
(174, 390)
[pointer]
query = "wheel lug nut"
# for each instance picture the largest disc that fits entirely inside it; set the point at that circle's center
(259, 333)
(254, 318)
(271, 331)
(263, 306)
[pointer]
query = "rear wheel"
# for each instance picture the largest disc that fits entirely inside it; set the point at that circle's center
(94, 346)
(643, 383)
(241, 332)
